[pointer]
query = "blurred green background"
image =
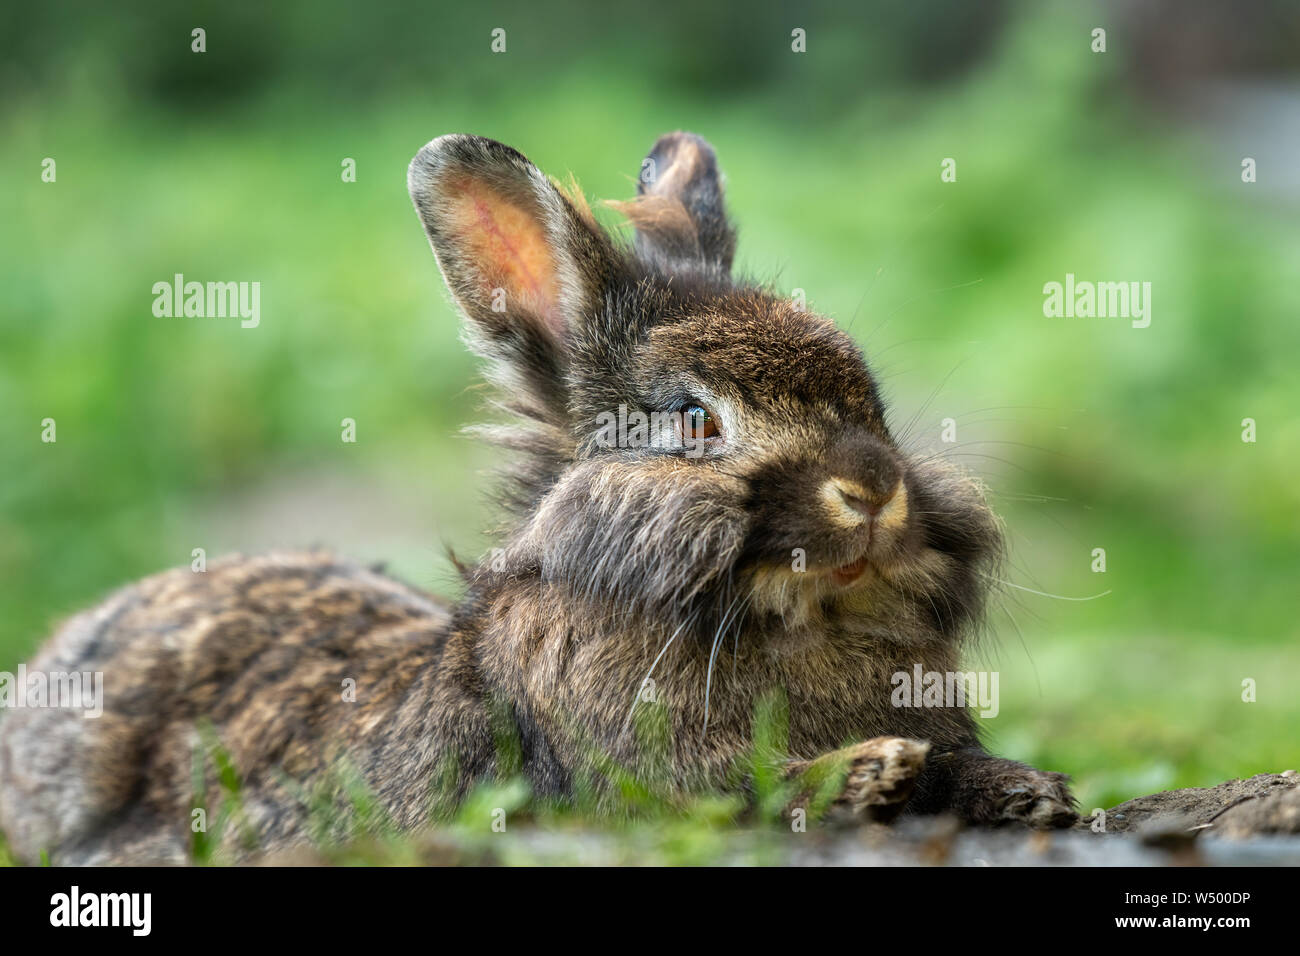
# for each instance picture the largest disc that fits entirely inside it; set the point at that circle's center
(174, 434)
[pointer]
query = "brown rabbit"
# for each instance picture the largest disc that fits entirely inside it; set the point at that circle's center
(706, 507)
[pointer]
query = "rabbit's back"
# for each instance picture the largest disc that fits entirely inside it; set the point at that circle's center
(288, 658)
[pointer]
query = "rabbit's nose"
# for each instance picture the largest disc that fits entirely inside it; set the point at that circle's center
(854, 504)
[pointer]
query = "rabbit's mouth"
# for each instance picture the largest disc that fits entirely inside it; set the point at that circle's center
(846, 574)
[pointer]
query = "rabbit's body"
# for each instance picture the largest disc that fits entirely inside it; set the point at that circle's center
(770, 538)
(260, 647)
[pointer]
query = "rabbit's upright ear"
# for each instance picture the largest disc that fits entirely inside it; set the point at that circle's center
(523, 264)
(678, 213)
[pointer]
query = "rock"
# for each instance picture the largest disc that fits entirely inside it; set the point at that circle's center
(1199, 809)
(1275, 811)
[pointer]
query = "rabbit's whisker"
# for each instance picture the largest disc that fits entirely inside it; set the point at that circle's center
(727, 617)
(1058, 597)
(636, 695)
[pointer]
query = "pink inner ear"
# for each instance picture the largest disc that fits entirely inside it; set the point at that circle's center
(508, 248)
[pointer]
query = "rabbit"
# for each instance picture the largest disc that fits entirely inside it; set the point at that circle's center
(658, 568)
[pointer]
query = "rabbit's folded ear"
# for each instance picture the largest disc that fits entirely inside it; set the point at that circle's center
(678, 213)
(523, 264)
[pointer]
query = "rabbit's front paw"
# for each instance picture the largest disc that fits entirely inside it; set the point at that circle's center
(1014, 793)
(882, 772)
(878, 777)
(1041, 800)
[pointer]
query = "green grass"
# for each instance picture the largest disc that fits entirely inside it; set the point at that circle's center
(175, 434)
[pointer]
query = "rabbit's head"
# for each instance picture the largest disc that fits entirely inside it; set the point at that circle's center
(687, 447)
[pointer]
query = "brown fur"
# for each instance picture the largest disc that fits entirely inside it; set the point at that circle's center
(617, 564)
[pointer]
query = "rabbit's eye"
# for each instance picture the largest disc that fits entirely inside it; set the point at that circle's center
(698, 422)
